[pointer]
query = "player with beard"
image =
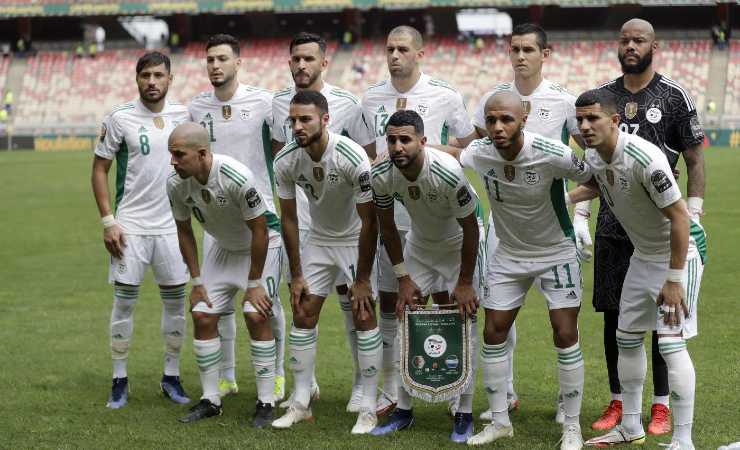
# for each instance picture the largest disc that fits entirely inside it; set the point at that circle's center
(661, 111)
(238, 118)
(307, 64)
(334, 172)
(139, 231)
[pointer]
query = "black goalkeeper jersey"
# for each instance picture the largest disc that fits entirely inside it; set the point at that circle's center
(662, 113)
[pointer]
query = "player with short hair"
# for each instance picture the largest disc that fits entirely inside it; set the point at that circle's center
(223, 196)
(307, 63)
(334, 172)
(441, 247)
(442, 109)
(524, 176)
(238, 118)
(551, 113)
(142, 233)
(662, 282)
(661, 111)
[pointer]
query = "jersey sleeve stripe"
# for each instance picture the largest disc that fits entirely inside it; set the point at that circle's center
(686, 96)
(273, 222)
(547, 147)
(377, 171)
(235, 177)
(344, 94)
(446, 171)
(349, 153)
(638, 154)
(442, 84)
(443, 177)
(290, 148)
(233, 172)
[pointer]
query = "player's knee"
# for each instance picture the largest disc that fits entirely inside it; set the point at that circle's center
(493, 336)
(306, 320)
(123, 308)
(565, 336)
(387, 301)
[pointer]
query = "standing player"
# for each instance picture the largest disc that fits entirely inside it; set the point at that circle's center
(659, 110)
(142, 234)
(551, 112)
(238, 120)
(307, 64)
(442, 109)
(524, 176)
(220, 193)
(662, 282)
(334, 172)
(442, 246)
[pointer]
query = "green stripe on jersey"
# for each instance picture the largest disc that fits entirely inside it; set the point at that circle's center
(283, 93)
(348, 153)
(121, 169)
(565, 134)
(700, 239)
(639, 155)
(267, 149)
(547, 147)
(440, 83)
(233, 175)
(557, 198)
(288, 149)
(273, 222)
(444, 137)
(445, 173)
(345, 94)
(443, 177)
(381, 168)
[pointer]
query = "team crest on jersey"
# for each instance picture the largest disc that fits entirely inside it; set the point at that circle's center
(623, 183)
(509, 172)
(527, 105)
(422, 108)
(332, 178)
(206, 195)
(318, 173)
(400, 103)
(226, 112)
(220, 201)
(531, 177)
(653, 115)
(189, 201)
(544, 113)
(432, 195)
(244, 114)
(414, 192)
(158, 122)
(103, 132)
(610, 177)
(630, 110)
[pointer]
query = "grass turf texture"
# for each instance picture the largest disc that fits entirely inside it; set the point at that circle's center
(55, 305)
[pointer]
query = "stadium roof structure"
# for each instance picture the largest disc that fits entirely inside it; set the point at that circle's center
(28, 8)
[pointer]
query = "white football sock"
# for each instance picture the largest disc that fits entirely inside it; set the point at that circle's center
(173, 327)
(302, 350)
(263, 360)
(632, 366)
(661, 400)
(682, 381)
(389, 328)
(495, 362)
(370, 355)
(277, 323)
(208, 357)
(351, 332)
(511, 339)
(122, 326)
(571, 374)
(227, 334)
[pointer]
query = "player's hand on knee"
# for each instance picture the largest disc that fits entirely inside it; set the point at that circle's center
(466, 298)
(583, 237)
(258, 297)
(409, 295)
(114, 240)
(673, 300)
(361, 296)
(197, 295)
(298, 289)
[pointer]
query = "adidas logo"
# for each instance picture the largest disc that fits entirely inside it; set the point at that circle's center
(573, 394)
(381, 109)
(293, 360)
(207, 116)
(571, 295)
(675, 396)
(262, 371)
(189, 200)
(370, 371)
(301, 178)
(490, 390)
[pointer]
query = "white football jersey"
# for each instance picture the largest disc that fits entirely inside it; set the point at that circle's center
(551, 108)
(439, 196)
(636, 184)
(137, 139)
(240, 128)
(526, 195)
(345, 118)
(224, 204)
(333, 186)
(440, 106)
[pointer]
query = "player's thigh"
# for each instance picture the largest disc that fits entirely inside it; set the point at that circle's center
(270, 280)
(387, 281)
(611, 261)
(131, 267)
(223, 273)
(692, 284)
(428, 268)
(561, 283)
(285, 265)
(167, 263)
(508, 282)
(319, 269)
(642, 284)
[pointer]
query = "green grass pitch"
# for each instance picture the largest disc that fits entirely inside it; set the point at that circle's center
(55, 306)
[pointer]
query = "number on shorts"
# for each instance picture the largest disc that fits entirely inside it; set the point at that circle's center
(198, 214)
(144, 144)
(271, 287)
(569, 284)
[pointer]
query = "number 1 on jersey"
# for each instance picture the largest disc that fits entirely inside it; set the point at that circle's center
(209, 127)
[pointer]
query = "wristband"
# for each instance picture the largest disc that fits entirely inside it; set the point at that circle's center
(568, 202)
(253, 284)
(583, 209)
(696, 205)
(108, 221)
(400, 270)
(675, 275)
(196, 281)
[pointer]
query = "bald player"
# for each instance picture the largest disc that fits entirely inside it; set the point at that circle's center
(661, 111)
(524, 177)
(221, 194)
